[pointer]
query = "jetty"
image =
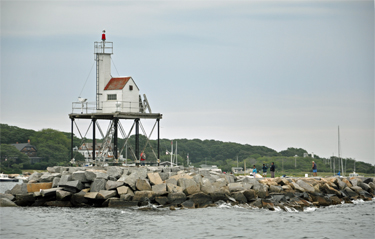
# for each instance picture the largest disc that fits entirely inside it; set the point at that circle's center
(180, 187)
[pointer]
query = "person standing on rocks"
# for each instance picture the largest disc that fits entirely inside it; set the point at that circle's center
(315, 169)
(254, 171)
(264, 170)
(272, 170)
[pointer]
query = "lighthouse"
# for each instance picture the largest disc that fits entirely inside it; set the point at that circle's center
(117, 99)
(114, 94)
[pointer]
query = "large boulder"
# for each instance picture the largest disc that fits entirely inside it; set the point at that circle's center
(347, 182)
(73, 186)
(201, 199)
(36, 187)
(307, 187)
(55, 182)
(250, 195)
(347, 191)
(154, 178)
(5, 202)
(341, 184)
(217, 196)
(49, 192)
(7, 195)
(92, 174)
(19, 189)
(114, 172)
(143, 196)
(115, 203)
(62, 195)
(239, 196)
(80, 176)
(235, 187)
(172, 188)
(176, 198)
(160, 189)
(48, 177)
(105, 194)
(297, 187)
(79, 200)
(162, 200)
(98, 184)
(25, 199)
(171, 181)
(113, 184)
(124, 190)
(143, 185)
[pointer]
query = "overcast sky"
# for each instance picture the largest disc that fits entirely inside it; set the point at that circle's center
(273, 73)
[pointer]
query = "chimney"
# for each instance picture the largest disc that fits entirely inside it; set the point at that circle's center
(16, 142)
(28, 141)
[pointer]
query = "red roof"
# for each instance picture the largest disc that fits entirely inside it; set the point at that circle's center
(117, 83)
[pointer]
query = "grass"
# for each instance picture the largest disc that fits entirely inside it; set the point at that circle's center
(310, 174)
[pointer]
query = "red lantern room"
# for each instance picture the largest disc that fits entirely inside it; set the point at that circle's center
(103, 36)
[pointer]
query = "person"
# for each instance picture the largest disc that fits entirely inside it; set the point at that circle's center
(143, 158)
(264, 170)
(272, 170)
(254, 171)
(315, 169)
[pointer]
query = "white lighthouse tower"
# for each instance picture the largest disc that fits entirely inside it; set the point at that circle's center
(114, 94)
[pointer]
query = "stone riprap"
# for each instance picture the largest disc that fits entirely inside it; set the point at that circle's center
(118, 187)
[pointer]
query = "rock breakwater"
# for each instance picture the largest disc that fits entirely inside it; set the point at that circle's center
(180, 187)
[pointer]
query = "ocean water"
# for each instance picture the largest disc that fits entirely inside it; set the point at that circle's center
(355, 220)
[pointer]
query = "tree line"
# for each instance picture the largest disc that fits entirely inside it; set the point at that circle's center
(54, 148)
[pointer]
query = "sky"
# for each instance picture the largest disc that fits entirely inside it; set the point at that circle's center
(272, 73)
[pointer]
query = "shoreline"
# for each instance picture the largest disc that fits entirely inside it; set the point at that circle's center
(179, 187)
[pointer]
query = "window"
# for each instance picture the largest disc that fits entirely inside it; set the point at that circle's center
(112, 97)
(130, 87)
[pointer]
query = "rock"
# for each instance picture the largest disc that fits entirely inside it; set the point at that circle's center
(350, 192)
(5, 202)
(160, 189)
(234, 187)
(62, 195)
(80, 176)
(348, 184)
(98, 184)
(276, 189)
(143, 185)
(323, 201)
(173, 188)
(154, 178)
(35, 176)
(79, 200)
(143, 195)
(105, 194)
(176, 198)
(186, 182)
(206, 186)
(191, 190)
(92, 174)
(115, 203)
(162, 200)
(268, 204)
(114, 172)
(372, 185)
(36, 187)
(307, 187)
(91, 195)
(49, 192)
(364, 186)
(330, 190)
(127, 197)
(124, 190)
(286, 187)
(189, 204)
(252, 181)
(164, 176)
(131, 180)
(297, 187)
(217, 196)
(47, 177)
(355, 181)
(200, 199)
(25, 199)
(261, 190)
(357, 189)
(341, 184)
(55, 182)
(239, 196)
(113, 184)
(75, 185)
(171, 181)
(368, 180)
(257, 203)
(58, 204)
(7, 195)
(19, 189)
(250, 195)
(65, 178)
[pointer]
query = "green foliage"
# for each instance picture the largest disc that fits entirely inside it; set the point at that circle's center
(13, 134)
(11, 160)
(290, 152)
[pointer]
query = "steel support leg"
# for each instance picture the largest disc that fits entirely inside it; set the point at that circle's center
(93, 140)
(137, 139)
(71, 140)
(115, 136)
(158, 141)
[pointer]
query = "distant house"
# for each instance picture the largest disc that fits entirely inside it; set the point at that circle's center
(29, 150)
(237, 170)
(86, 150)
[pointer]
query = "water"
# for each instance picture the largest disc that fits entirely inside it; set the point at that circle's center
(340, 221)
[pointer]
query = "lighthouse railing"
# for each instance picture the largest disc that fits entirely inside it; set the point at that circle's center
(103, 47)
(105, 107)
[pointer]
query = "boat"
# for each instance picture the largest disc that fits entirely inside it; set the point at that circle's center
(5, 178)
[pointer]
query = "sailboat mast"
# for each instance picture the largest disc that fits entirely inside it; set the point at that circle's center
(342, 164)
